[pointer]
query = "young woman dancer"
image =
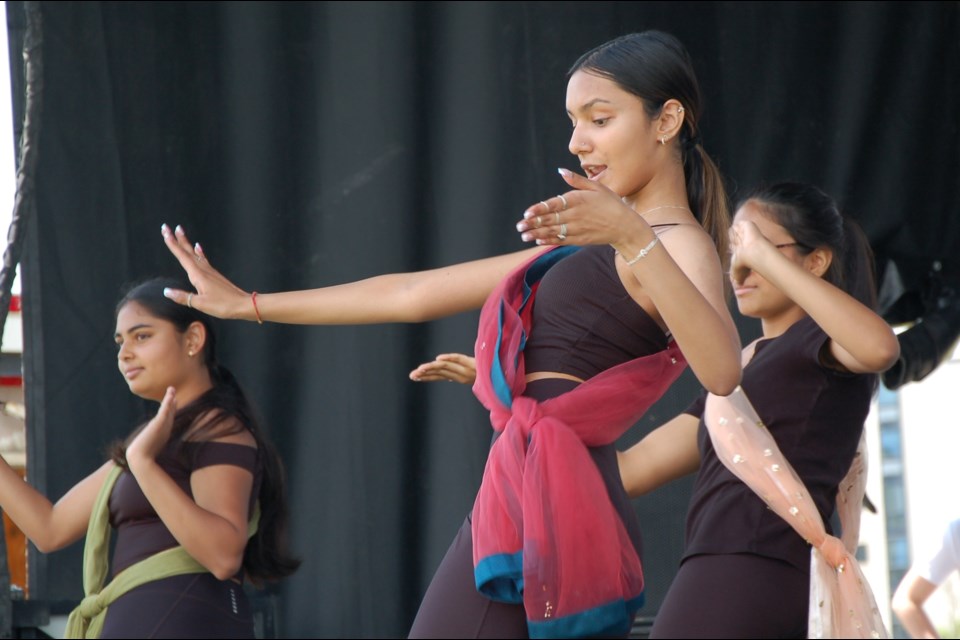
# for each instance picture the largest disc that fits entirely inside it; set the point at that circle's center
(195, 494)
(614, 323)
(807, 273)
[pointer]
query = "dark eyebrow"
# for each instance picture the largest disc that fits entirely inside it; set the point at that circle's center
(588, 105)
(142, 325)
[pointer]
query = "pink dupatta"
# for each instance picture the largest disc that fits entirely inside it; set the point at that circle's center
(842, 604)
(544, 530)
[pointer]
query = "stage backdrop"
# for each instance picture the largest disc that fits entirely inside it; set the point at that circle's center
(308, 144)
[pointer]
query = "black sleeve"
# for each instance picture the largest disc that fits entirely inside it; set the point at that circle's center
(695, 408)
(208, 454)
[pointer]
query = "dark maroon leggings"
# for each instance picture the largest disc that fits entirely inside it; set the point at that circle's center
(188, 606)
(734, 596)
(453, 608)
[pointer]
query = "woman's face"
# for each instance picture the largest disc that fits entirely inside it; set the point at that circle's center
(614, 139)
(756, 297)
(151, 354)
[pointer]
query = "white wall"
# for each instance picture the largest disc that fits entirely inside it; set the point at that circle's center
(931, 450)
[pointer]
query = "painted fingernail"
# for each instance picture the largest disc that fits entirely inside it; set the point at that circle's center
(164, 229)
(167, 292)
(526, 237)
(528, 214)
(522, 226)
(179, 229)
(563, 172)
(198, 248)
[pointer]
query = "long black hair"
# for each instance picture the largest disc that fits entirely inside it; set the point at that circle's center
(223, 410)
(656, 67)
(814, 221)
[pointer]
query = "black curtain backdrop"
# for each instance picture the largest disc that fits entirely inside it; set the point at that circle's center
(308, 144)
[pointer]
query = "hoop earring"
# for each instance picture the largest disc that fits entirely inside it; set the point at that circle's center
(663, 140)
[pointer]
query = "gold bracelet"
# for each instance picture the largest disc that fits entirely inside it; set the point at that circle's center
(643, 252)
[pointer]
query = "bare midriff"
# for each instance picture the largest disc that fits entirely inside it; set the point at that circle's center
(544, 375)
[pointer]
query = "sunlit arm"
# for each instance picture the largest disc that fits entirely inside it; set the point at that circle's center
(398, 297)
(402, 297)
(666, 453)
(49, 526)
(861, 340)
(684, 279)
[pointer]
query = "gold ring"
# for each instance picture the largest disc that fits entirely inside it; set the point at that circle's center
(539, 222)
(190, 300)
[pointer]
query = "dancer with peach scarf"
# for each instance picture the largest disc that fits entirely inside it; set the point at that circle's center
(772, 455)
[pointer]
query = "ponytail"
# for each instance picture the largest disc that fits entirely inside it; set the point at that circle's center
(859, 266)
(706, 193)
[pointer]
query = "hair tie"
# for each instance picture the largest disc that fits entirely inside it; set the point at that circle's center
(691, 142)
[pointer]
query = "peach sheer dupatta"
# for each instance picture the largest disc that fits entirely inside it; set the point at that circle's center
(842, 604)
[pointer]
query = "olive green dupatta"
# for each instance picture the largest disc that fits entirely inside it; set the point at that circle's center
(86, 620)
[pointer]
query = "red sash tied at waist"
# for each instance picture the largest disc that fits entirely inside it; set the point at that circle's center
(544, 529)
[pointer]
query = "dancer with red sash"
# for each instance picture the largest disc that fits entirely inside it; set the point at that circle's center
(540, 465)
(556, 541)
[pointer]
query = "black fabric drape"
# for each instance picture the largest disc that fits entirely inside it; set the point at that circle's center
(307, 144)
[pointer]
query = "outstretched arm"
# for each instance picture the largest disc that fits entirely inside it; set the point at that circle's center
(908, 601)
(860, 340)
(666, 453)
(400, 297)
(50, 526)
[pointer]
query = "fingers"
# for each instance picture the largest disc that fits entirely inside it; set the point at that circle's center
(545, 211)
(179, 246)
(195, 251)
(186, 298)
(193, 261)
(552, 229)
(452, 367)
(546, 222)
(169, 402)
(434, 371)
(578, 181)
(168, 408)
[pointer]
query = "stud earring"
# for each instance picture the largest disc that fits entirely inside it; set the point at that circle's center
(190, 353)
